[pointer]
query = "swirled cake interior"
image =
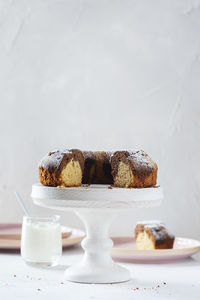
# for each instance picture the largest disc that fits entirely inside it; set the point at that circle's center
(62, 168)
(124, 176)
(133, 169)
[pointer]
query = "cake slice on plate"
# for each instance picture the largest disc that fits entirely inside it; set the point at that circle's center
(151, 235)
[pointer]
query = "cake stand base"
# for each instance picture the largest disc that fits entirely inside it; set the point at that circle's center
(85, 272)
(97, 265)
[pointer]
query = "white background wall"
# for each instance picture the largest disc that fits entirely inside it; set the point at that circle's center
(102, 74)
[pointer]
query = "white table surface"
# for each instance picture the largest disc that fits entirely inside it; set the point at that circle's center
(19, 281)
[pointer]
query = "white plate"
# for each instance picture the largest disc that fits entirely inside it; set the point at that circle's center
(125, 250)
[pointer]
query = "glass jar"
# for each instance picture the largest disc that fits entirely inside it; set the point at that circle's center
(41, 241)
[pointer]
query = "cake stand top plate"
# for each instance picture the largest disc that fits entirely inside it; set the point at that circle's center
(95, 196)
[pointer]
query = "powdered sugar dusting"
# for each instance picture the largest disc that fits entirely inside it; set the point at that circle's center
(140, 158)
(53, 159)
(158, 229)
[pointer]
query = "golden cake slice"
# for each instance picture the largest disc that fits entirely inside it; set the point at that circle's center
(62, 168)
(151, 235)
(133, 169)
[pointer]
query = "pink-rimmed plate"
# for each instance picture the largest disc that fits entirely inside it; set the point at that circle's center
(10, 236)
(125, 250)
(12, 231)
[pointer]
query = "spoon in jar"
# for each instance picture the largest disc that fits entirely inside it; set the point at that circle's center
(21, 202)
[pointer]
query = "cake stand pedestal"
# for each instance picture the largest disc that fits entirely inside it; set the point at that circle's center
(97, 206)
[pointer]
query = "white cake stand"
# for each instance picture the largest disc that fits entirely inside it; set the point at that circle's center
(97, 206)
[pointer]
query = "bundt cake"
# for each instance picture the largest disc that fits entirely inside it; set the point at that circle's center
(62, 168)
(121, 168)
(152, 235)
